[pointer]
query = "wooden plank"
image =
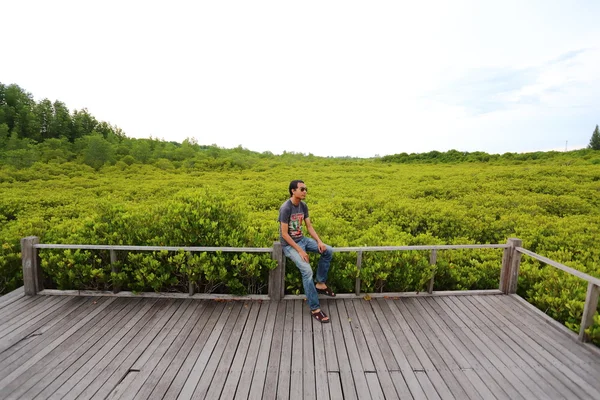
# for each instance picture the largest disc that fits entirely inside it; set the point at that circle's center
(40, 348)
(36, 326)
(40, 375)
(372, 347)
(374, 386)
(111, 377)
(139, 314)
(308, 357)
(402, 390)
(153, 367)
(397, 295)
(190, 360)
(321, 383)
(125, 374)
(427, 385)
(11, 296)
(42, 333)
(17, 307)
(538, 380)
(235, 370)
(456, 382)
(328, 342)
(238, 342)
(196, 373)
(175, 322)
(358, 373)
(373, 330)
(346, 376)
(270, 391)
(490, 342)
(359, 337)
(565, 344)
(29, 319)
(497, 383)
(18, 318)
(296, 386)
(544, 319)
(9, 300)
(173, 364)
(154, 295)
(93, 374)
(477, 376)
(397, 330)
(260, 370)
(335, 386)
(559, 348)
(393, 355)
(553, 362)
(222, 355)
(229, 339)
(285, 362)
(245, 380)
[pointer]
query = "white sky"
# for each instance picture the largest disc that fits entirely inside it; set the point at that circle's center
(331, 78)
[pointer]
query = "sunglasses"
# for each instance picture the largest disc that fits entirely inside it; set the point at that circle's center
(303, 189)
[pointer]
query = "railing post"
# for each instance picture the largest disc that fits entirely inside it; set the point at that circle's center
(114, 269)
(277, 275)
(515, 265)
(432, 261)
(358, 266)
(589, 309)
(511, 262)
(32, 273)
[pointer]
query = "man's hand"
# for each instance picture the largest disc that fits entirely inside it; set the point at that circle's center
(303, 254)
(322, 247)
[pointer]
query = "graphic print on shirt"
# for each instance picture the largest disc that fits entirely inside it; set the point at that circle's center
(295, 225)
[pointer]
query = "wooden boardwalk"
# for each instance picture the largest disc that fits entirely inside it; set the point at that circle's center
(436, 347)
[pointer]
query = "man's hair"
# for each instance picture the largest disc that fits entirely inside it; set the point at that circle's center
(294, 185)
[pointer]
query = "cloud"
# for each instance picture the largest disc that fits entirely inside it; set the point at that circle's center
(487, 90)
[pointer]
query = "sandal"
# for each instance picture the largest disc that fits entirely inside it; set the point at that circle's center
(327, 291)
(320, 316)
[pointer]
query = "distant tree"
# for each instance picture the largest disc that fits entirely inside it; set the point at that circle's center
(61, 124)
(141, 150)
(98, 152)
(44, 113)
(83, 123)
(595, 140)
(4, 135)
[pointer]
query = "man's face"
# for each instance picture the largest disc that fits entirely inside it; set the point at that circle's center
(300, 191)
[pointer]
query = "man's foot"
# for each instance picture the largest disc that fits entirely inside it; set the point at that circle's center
(320, 316)
(324, 289)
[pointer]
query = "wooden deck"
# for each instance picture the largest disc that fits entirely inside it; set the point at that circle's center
(437, 347)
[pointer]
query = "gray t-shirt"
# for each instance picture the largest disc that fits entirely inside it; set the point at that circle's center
(293, 216)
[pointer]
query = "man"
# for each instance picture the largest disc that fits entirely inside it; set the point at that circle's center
(295, 245)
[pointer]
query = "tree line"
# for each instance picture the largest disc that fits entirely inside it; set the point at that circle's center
(48, 132)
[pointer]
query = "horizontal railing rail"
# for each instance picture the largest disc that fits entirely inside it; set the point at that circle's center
(154, 248)
(591, 297)
(511, 260)
(421, 247)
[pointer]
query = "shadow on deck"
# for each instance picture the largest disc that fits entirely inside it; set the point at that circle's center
(423, 347)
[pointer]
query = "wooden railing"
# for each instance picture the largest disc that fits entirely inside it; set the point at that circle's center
(511, 261)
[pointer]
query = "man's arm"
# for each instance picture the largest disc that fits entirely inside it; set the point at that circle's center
(288, 239)
(314, 235)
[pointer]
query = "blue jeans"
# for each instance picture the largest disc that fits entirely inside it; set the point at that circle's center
(310, 245)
